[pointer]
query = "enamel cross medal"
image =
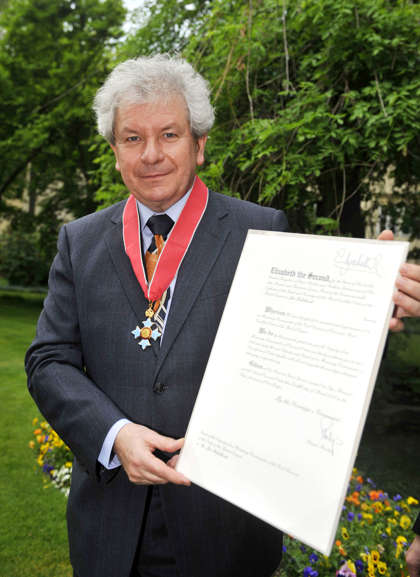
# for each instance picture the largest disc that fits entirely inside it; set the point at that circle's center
(148, 331)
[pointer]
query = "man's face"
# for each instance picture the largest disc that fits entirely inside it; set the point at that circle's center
(155, 151)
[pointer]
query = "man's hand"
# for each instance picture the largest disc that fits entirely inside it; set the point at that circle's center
(407, 298)
(134, 446)
(413, 557)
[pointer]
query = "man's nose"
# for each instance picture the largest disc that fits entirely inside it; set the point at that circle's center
(152, 151)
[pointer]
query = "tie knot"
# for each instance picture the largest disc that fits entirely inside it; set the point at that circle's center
(160, 224)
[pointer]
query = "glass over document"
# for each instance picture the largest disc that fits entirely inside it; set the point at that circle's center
(281, 409)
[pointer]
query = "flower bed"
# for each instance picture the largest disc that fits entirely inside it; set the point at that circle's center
(53, 456)
(373, 534)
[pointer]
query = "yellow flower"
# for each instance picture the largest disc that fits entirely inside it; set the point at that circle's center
(345, 533)
(382, 568)
(401, 540)
(388, 530)
(368, 517)
(375, 556)
(398, 551)
(405, 521)
(44, 425)
(34, 421)
(31, 444)
(412, 501)
(69, 464)
(378, 507)
(351, 566)
(396, 513)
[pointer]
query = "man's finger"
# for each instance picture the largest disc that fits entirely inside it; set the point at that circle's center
(396, 325)
(166, 473)
(167, 444)
(411, 271)
(386, 235)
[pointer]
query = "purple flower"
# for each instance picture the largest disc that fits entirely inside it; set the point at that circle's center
(358, 487)
(371, 482)
(359, 516)
(303, 548)
(309, 572)
(397, 497)
(313, 558)
(350, 516)
(284, 548)
(359, 565)
(398, 508)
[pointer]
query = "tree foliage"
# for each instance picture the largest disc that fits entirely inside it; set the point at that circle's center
(316, 103)
(52, 58)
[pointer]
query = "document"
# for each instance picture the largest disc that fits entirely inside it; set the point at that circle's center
(280, 412)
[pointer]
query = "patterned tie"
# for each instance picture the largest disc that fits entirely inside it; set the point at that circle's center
(160, 225)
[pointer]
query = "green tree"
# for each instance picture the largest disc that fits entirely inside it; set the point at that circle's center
(53, 55)
(316, 101)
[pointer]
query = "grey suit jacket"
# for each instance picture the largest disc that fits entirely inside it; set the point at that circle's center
(86, 371)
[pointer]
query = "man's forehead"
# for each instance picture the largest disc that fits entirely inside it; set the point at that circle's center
(171, 109)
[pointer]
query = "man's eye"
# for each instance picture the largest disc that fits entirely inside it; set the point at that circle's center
(132, 138)
(170, 135)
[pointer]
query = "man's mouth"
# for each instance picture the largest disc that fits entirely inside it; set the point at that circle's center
(154, 175)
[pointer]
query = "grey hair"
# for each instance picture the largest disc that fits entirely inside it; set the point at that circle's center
(145, 79)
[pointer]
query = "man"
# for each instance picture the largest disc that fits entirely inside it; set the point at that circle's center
(136, 294)
(413, 554)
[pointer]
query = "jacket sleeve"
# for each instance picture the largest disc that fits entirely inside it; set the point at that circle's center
(70, 401)
(280, 222)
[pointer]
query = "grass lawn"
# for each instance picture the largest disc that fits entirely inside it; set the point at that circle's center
(33, 539)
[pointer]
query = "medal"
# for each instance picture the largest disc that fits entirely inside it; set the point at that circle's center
(147, 332)
(169, 260)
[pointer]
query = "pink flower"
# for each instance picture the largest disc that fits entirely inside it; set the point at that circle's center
(345, 571)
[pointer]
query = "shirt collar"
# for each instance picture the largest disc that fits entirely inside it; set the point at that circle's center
(173, 211)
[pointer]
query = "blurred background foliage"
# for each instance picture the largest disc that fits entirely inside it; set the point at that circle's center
(316, 106)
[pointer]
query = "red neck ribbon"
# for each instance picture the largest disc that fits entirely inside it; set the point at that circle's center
(175, 247)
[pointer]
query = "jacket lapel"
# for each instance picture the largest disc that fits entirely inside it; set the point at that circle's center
(204, 251)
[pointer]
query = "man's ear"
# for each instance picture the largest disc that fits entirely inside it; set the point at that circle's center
(201, 145)
(114, 150)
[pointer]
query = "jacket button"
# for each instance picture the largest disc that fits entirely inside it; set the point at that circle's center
(159, 388)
